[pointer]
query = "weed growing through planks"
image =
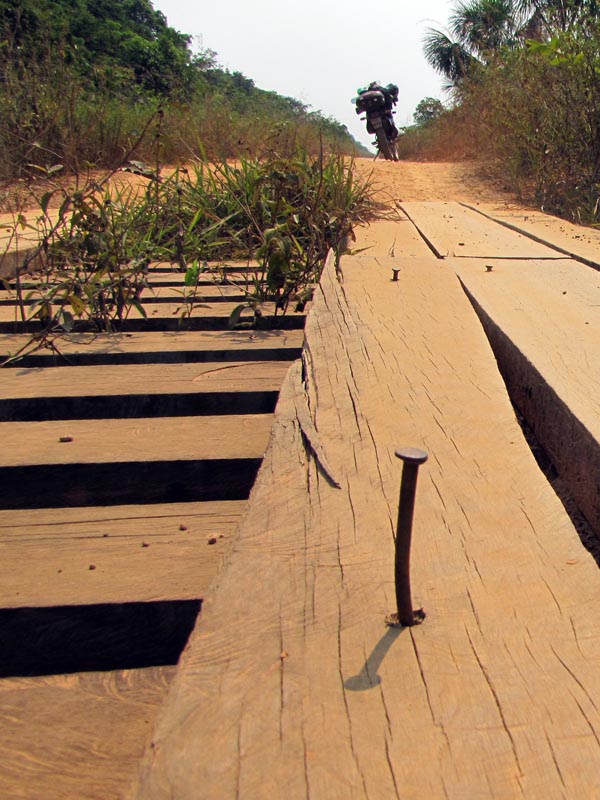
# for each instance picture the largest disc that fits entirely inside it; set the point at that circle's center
(285, 213)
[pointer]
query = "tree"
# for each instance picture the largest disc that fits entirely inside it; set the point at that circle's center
(478, 29)
(427, 110)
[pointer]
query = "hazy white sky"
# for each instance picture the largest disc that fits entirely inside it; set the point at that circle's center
(320, 51)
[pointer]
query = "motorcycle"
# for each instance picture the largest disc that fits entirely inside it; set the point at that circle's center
(373, 103)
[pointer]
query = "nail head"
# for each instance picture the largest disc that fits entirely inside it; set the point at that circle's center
(412, 455)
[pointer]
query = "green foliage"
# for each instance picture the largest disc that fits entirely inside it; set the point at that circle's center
(428, 110)
(285, 213)
(80, 77)
(533, 105)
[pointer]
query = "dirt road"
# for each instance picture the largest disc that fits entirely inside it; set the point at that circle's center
(412, 180)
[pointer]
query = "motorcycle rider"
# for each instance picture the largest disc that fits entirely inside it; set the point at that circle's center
(390, 93)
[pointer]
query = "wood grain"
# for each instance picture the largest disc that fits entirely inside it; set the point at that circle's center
(291, 686)
(452, 229)
(567, 238)
(121, 440)
(120, 554)
(106, 380)
(542, 320)
(34, 738)
(159, 346)
(167, 316)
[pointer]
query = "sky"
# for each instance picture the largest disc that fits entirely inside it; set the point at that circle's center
(320, 51)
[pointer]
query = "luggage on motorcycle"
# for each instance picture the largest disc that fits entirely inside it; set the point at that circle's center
(371, 100)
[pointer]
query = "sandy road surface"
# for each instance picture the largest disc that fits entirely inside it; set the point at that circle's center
(412, 180)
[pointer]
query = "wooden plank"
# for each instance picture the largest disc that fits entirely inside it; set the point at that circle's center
(572, 240)
(291, 686)
(170, 279)
(167, 316)
(160, 347)
(143, 379)
(452, 229)
(140, 390)
(542, 319)
(138, 553)
(390, 238)
(124, 461)
(19, 239)
(159, 294)
(126, 441)
(105, 718)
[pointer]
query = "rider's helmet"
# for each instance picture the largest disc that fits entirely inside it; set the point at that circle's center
(393, 90)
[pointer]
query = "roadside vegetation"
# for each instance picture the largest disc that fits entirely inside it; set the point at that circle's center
(224, 170)
(283, 213)
(79, 80)
(523, 80)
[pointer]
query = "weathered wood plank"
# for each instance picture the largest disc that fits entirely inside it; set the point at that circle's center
(167, 316)
(160, 294)
(160, 347)
(128, 461)
(392, 238)
(76, 736)
(452, 229)
(120, 440)
(149, 390)
(138, 553)
(291, 686)
(573, 240)
(542, 319)
(212, 278)
(143, 379)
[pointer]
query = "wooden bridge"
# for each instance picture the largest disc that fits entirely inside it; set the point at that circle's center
(291, 685)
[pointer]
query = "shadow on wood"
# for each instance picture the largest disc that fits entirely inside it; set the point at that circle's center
(66, 639)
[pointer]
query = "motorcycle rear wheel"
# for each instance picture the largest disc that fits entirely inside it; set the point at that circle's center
(385, 147)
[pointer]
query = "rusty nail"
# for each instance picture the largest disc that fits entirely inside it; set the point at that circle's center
(395, 272)
(412, 459)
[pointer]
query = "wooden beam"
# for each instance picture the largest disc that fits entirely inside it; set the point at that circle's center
(168, 316)
(575, 241)
(122, 461)
(452, 229)
(137, 390)
(159, 347)
(291, 686)
(541, 318)
(119, 554)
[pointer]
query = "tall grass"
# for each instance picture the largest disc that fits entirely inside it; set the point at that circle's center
(49, 116)
(283, 212)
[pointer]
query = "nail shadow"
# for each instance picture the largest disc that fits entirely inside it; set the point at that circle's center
(368, 678)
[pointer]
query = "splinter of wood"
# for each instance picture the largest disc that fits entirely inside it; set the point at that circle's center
(395, 272)
(412, 459)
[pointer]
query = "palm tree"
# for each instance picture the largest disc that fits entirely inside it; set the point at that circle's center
(448, 57)
(485, 25)
(478, 28)
(558, 16)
